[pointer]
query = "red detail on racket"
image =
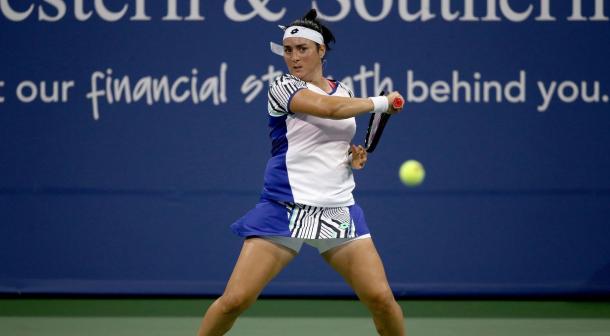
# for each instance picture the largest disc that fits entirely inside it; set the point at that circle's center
(397, 103)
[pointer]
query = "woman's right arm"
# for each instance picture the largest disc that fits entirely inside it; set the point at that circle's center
(331, 107)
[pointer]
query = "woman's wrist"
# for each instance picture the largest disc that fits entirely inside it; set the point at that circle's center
(380, 104)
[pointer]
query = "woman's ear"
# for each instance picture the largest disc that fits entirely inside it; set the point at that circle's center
(322, 51)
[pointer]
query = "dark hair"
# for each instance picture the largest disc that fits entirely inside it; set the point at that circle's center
(310, 21)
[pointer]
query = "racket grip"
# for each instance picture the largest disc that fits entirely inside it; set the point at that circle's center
(397, 103)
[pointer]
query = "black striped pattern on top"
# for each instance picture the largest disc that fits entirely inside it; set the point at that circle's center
(280, 92)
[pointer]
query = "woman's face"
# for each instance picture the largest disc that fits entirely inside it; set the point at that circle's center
(303, 58)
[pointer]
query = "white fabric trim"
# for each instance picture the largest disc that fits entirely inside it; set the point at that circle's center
(298, 31)
(322, 245)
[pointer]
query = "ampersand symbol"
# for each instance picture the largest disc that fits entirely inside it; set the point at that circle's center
(259, 7)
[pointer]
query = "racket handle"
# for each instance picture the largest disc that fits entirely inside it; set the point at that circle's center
(397, 103)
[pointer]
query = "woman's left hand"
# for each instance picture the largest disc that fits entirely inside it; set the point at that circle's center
(358, 157)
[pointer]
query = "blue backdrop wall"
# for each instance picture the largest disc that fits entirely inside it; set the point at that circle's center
(133, 132)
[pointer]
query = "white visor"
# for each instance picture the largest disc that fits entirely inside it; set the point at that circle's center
(298, 31)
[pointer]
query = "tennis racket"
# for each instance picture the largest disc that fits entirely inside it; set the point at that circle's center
(377, 123)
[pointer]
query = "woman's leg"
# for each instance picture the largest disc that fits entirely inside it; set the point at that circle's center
(259, 262)
(360, 265)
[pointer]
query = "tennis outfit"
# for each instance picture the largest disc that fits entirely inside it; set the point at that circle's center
(307, 193)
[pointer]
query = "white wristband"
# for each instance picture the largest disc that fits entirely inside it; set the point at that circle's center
(380, 104)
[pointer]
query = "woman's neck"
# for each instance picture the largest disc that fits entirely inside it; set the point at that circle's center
(322, 83)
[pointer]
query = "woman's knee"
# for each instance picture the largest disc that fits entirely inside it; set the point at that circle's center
(379, 300)
(235, 303)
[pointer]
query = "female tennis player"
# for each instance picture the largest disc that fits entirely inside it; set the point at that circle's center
(307, 195)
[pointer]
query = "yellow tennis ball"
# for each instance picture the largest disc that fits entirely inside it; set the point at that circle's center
(412, 173)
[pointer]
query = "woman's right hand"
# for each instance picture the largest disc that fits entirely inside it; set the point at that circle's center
(393, 95)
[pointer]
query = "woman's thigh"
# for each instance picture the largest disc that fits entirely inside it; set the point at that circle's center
(259, 261)
(360, 265)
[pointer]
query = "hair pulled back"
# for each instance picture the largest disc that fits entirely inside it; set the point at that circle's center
(310, 21)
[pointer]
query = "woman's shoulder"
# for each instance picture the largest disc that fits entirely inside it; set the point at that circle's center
(280, 93)
(287, 79)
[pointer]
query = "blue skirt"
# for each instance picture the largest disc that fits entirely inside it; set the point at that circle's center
(273, 218)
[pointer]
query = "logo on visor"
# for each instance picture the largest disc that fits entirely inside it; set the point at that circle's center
(294, 31)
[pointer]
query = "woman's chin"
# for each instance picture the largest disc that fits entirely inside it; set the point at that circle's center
(298, 74)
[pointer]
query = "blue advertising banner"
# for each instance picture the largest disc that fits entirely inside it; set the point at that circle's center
(134, 132)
